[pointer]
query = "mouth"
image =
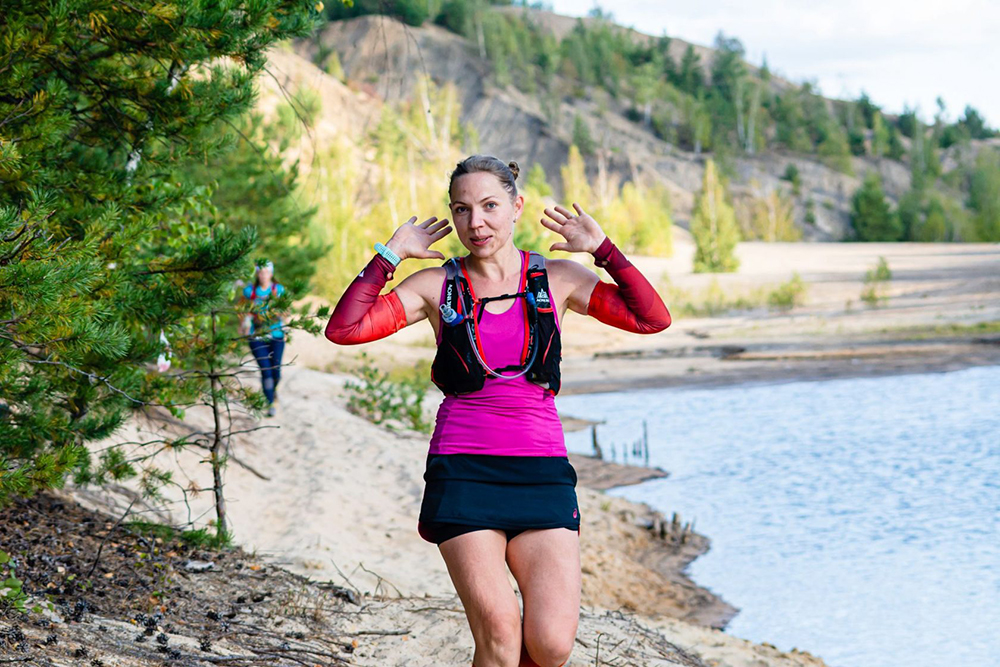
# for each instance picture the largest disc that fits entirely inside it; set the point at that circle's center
(479, 240)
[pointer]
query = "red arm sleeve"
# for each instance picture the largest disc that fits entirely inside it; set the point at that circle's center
(632, 304)
(364, 315)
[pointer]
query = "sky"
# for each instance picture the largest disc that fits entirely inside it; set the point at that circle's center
(899, 52)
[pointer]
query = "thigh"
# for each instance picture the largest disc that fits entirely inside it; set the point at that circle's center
(477, 567)
(277, 346)
(260, 353)
(546, 565)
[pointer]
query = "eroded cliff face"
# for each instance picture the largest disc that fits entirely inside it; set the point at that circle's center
(383, 58)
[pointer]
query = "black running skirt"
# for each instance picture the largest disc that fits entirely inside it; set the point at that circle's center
(504, 492)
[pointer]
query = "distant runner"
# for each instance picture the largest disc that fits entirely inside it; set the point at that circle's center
(267, 346)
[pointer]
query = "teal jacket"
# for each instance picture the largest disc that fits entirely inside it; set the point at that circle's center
(265, 294)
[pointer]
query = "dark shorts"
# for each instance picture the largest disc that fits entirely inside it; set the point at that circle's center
(439, 532)
(466, 492)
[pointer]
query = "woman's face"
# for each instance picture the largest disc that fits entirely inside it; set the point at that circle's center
(263, 274)
(483, 212)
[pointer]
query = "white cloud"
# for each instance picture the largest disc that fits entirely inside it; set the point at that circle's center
(899, 51)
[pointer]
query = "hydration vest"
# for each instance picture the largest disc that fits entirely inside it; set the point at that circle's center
(459, 366)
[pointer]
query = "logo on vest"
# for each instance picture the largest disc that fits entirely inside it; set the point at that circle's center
(543, 300)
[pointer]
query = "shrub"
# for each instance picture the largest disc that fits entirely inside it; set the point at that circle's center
(384, 400)
(875, 283)
(788, 295)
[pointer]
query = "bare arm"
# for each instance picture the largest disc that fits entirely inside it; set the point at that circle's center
(631, 303)
(363, 314)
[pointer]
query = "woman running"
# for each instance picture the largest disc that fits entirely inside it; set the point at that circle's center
(267, 346)
(499, 486)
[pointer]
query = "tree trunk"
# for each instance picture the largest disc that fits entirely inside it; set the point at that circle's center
(752, 120)
(218, 450)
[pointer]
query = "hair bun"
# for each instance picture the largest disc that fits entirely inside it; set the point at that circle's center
(514, 168)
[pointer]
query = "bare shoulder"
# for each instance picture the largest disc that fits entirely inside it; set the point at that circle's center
(426, 283)
(420, 294)
(572, 282)
(568, 271)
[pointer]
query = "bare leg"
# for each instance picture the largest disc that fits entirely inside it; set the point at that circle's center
(476, 565)
(546, 565)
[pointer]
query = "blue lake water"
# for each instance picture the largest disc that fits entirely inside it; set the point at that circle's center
(856, 519)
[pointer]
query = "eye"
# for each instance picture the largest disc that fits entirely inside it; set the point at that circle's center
(492, 203)
(459, 209)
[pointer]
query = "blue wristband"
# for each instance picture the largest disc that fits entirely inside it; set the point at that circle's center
(388, 254)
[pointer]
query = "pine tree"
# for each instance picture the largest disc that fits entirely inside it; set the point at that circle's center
(104, 241)
(691, 77)
(253, 187)
(871, 216)
(880, 135)
(714, 227)
(984, 195)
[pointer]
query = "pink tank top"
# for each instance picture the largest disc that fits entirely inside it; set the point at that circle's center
(506, 417)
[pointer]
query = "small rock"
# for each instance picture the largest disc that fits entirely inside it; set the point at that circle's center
(199, 566)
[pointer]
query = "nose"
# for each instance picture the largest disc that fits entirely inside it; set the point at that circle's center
(476, 220)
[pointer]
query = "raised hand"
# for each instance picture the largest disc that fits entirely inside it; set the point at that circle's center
(414, 241)
(582, 233)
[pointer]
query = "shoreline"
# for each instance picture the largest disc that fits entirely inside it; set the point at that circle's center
(731, 365)
(665, 546)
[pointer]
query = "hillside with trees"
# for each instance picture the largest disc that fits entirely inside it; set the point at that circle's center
(655, 108)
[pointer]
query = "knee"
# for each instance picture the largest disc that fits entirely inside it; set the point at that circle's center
(500, 635)
(549, 650)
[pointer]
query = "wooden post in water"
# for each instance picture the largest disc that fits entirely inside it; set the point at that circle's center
(645, 443)
(596, 445)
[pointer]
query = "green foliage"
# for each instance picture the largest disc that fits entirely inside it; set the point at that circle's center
(12, 595)
(384, 400)
(788, 295)
(984, 195)
(714, 227)
(714, 300)
(810, 218)
(835, 149)
(880, 136)
(253, 186)
(896, 149)
(876, 282)
(711, 301)
(638, 216)
(973, 125)
(104, 240)
(871, 216)
(792, 176)
(412, 12)
(929, 216)
(581, 136)
(771, 217)
(868, 110)
(908, 123)
(201, 538)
